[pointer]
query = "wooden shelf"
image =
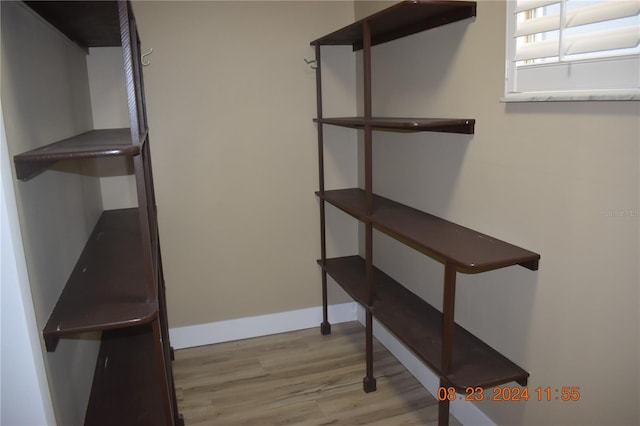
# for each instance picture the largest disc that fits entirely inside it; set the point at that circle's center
(444, 241)
(419, 326)
(107, 288)
(86, 23)
(400, 20)
(126, 388)
(396, 124)
(92, 144)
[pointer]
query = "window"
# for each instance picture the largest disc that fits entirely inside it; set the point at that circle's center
(573, 50)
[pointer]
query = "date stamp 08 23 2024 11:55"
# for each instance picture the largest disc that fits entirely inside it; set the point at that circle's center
(515, 393)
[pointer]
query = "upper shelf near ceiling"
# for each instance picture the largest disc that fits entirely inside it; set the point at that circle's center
(86, 23)
(401, 20)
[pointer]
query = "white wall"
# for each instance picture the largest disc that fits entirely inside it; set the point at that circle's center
(24, 392)
(561, 179)
(45, 97)
(110, 110)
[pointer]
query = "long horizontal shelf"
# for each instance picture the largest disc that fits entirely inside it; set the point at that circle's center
(419, 326)
(470, 251)
(397, 124)
(401, 20)
(92, 144)
(87, 23)
(126, 389)
(107, 288)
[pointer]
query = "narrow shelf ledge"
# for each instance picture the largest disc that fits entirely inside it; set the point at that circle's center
(470, 251)
(419, 326)
(92, 144)
(126, 388)
(107, 288)
(401, 20)
(398, 124)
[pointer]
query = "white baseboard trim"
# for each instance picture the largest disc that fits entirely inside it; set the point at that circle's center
(262, 325)
(466, 412)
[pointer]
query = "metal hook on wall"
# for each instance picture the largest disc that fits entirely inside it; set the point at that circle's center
(312, 62)
(143, 56)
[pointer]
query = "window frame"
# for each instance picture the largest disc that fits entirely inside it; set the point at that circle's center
(581, 70)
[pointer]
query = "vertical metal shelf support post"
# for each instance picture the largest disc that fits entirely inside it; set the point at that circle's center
(448, 309)
(369, 382)
(146, 205)
(325, 327)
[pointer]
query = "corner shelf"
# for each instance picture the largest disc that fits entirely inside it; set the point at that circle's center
(460, 359)
(107, 288)
(92, 144)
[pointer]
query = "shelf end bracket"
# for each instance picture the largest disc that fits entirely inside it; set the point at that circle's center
(532, 264)
(50, 342)
(26, 170)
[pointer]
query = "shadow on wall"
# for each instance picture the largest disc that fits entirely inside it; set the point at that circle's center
(406, 76)
(420, 169)
(420, 62)
(97, 167)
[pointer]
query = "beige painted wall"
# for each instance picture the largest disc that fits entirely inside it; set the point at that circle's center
(230, 103)
(561, 179)
(57, 209)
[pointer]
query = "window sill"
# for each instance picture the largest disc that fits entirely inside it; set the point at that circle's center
(573, 96)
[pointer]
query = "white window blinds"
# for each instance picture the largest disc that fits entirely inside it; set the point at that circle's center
(573, 45)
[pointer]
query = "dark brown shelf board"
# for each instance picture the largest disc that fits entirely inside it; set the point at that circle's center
(470, 251)
(107, 288)
(86, 23)
(401, 20)
(350, 278)
(419, 326)
(126, 389)
(398, 124)
(92, 144)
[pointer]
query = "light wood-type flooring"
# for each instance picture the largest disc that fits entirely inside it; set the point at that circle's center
(298, 378)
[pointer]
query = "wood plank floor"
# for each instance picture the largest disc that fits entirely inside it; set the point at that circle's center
(298, 378)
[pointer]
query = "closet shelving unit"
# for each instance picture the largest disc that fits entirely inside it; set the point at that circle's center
(459, 358)
(117, 286)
